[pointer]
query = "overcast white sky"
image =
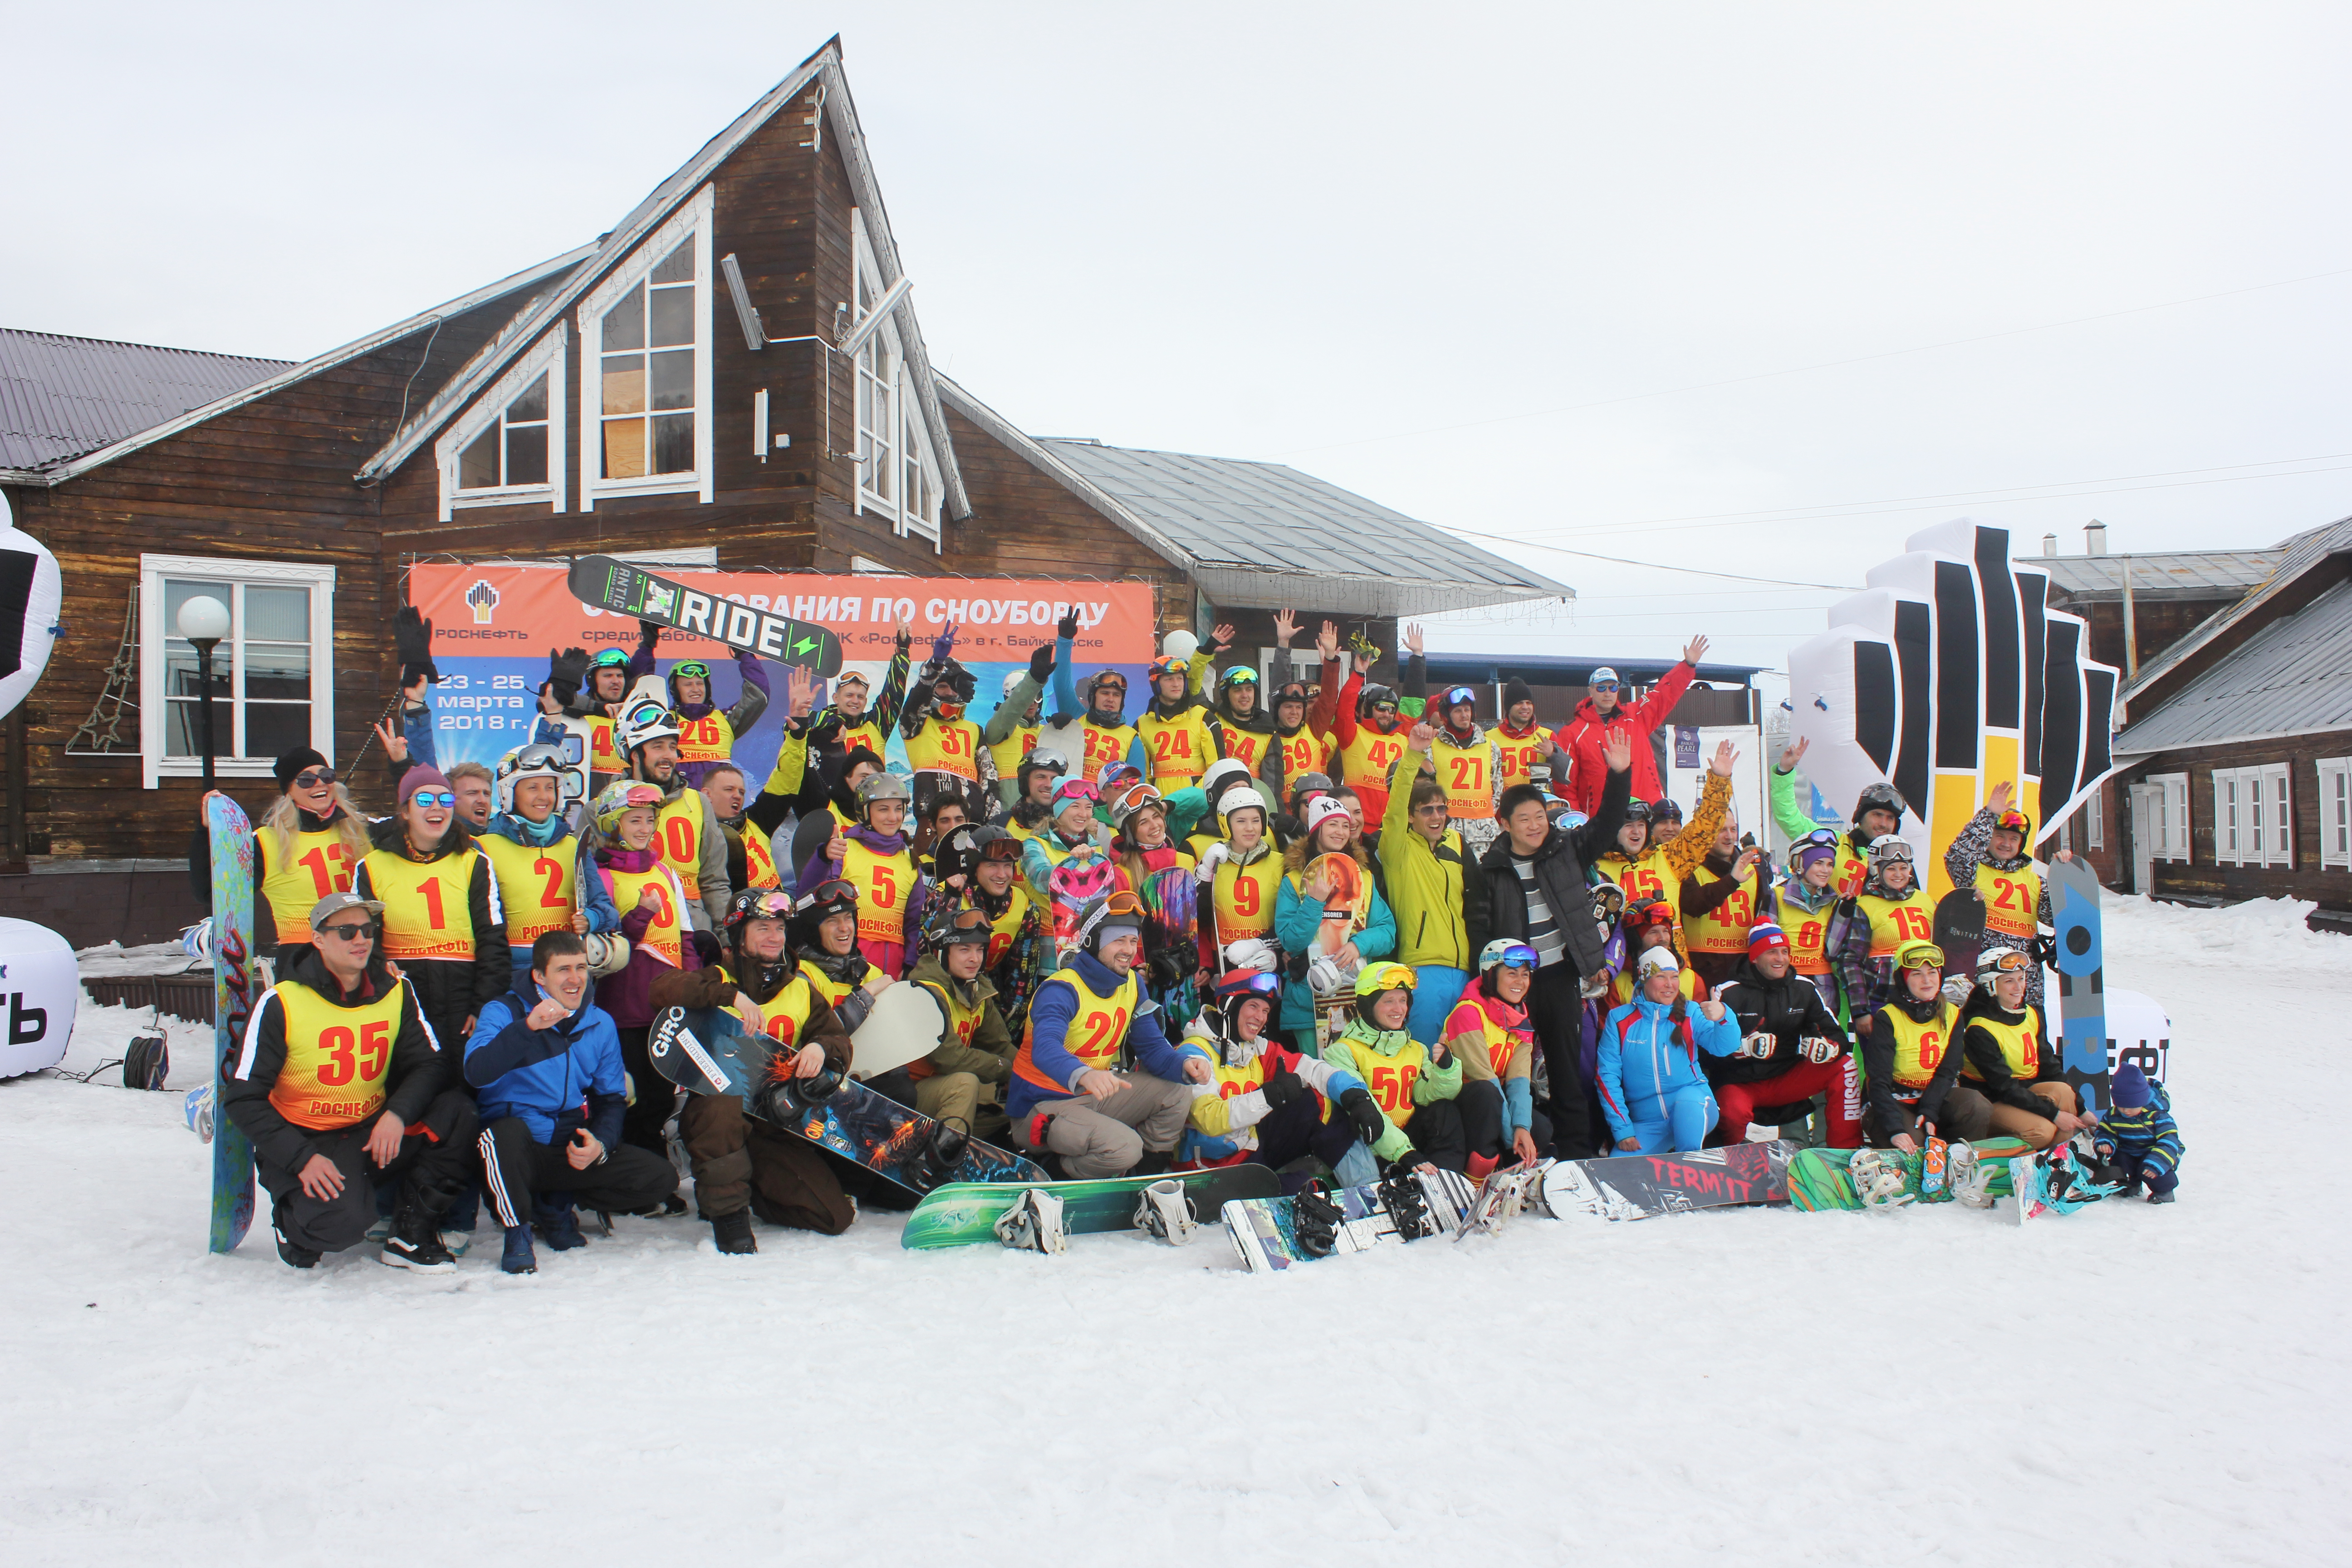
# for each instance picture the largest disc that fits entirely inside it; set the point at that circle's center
(1754, 289)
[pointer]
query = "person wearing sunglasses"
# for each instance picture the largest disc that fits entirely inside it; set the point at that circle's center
(2005, 1046)
(1011, 733)
(707, 733)
(444, 924)
(1604, 712)
(1490, 1034)
(307, 845)
(744, 1166)
(1792, 1049)
(1993, 854)
(1069, 1095)
(341, 1085)
(1434, 890)
(1265, 1103)
(962, 1081)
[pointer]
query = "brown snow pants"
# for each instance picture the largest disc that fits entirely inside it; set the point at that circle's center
(740, 1162)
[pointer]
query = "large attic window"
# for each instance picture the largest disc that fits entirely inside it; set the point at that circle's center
(646, 365)
(897, 471)
(507, 450)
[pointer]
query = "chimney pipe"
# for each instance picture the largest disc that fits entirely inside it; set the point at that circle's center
(2048, 544)
(2094, 538)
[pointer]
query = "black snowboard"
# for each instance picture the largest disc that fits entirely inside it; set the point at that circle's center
(1959, 931)
(621, 589)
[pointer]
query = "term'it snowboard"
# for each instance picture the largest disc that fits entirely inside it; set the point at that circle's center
(706, 1051)
(232, 857)
(1959, 931)
(1266, 1232)
(1642, 1187)
(964, 1214)
(2082, 983)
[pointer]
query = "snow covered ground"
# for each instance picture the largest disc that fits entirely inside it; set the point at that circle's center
(2130, 1384)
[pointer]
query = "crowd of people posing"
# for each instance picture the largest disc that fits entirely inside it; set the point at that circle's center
(1338, 929)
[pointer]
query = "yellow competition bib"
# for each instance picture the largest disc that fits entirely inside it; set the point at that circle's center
(1242, 745)
(604, 756)
(1893, 922)
(1364, 764)
(2019, 1046)
(321, 863)
(336, 1058)
(1723, 928)
(1303, 753)
(865, 733)
(2010, 898)
(1180, 748)
(1461, 771)
(1520, 757)
(1097, 1029)
(1009, 752)
(1807, 932)
(945, 746)
(1006, 927)
(883, 883)
(1918, 1047)
(661, 938)
(677, 833)
(784, 1014)
(709, 739)
(1245, 896)
(427, 913)
(835, 992)
(536, 887)
(1105, 747)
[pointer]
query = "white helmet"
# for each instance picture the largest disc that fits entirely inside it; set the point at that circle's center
(1326, 978)
(1222, 768)
(608, 953)
(1011, 679)
(529, 762)
(1250, 953)
(646, 722)
(1239, 799)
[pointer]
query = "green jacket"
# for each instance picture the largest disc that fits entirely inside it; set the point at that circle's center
(1437, 894)
(989, 1056)
(1360, 1049)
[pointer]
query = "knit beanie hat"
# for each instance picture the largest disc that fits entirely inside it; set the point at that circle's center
(2128, 1088)
(415, 779)
(1516, 691)
(292, 763)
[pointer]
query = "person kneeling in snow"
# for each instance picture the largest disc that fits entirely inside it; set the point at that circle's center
(1790, 1049)
(339, 1073)
(1414, 1086)
(2137, 1136)
(1267, 1103)
(1490, 1034)
(535, 1053)
(1652, 1088)
(1067, 1095)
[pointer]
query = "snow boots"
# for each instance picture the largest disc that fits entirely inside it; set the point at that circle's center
(517, 1259)
(731, 1233)
(559, 1227)
(293, 1257)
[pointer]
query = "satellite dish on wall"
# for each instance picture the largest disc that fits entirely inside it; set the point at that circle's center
(30, 592)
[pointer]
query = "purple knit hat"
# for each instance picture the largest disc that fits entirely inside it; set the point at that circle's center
(415, 779)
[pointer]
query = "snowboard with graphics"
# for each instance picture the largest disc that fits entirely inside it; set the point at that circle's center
(620, 589)
(233, 985)
(965, 1213)
(1959, 931)
(706, 1051)
(1643, 1187)
(2081, 980)
(1266, 1231)
(1818, 1179)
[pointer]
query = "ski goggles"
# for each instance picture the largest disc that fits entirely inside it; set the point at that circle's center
(830, 897)
(609, 659)
(1168, 665)
(774, 903)
(1519, 955)
(1650, 912)
(1919, 955)
(2003, 961)
(694, 669)
(1242, 983)
(1075, 789)
(629, 799)
(1123, 906)
(1110, 677)
(2015, 821)
(1458, 695)
(1381, 978)
(1006, 848)
(965, 926)
(1241, 675)
(1050, 760)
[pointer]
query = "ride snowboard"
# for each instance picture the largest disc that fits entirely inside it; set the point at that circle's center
(964, 1214)
(1643, 1187)
(2081, 980)
(618, 588)
(1271, 1234)
(706, 1051)
(233, 979)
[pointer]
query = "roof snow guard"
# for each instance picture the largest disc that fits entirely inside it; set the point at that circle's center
(1263, 535)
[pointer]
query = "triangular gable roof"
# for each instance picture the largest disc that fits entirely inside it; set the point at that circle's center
(56, 474)
(1261, 535)
(2291, 676)
(2303, 552)
(841, 117)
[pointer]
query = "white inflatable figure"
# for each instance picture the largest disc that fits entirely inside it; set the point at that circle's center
(30, 593)
(40, 985)
(1946, 676)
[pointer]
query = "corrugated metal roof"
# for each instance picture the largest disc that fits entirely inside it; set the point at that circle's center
(2300, 554)
(1553, 668)
(2181, 573)
(61, 396)
(2293, 676)
(1254, 530)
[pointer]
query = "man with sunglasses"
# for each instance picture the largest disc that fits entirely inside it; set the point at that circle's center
(960, 1081)
(1993, 856)
(341, 1085)
(1069, 1095)
(1264, 1103)
(1602, 713)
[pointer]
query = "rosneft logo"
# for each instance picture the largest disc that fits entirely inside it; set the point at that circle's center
(484, 598)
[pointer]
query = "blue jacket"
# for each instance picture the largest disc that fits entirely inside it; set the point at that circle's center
(1049, 1027)
(1065, 697)
(542, 1075)
(1296, 920)
(2147, 1132)
(1646, 1054)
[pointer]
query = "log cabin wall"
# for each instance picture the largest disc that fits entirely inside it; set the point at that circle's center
(2200, 879)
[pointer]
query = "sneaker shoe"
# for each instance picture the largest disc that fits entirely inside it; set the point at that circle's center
(732, 1233)
(291, 1256)
(415, 1243)
(559, 1228)
(519, 1259)
(670, 1207)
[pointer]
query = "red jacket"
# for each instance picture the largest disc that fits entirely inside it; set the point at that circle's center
(1582, 735)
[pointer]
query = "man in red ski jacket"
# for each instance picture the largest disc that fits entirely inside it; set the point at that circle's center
(1584, 734)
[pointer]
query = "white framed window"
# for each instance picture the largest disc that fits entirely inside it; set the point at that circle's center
(273, 677)
(2168, 811)
(509, 447)
(645, 367)
(2254, 817)
(2095, 818)
(897, 471)
(2335, 814)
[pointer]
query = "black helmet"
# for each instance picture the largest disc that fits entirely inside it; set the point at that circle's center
(1637, 810)
(818, 905)
(755, 903)
(1306, 784)
(955, 925)
(1371, 696)
(1879, 797)
(960, 679)
(1667, 809)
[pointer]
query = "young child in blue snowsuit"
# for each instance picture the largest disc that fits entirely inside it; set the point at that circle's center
(2137, 1135)
(1652, 1090)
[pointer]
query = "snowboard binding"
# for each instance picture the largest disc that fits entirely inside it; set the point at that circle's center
(936, 1161)
(1878, 1180)
(1033, 1223)
(1315, 1219)
(1968, 1178)
(1166, 1214)
(1408, 1205)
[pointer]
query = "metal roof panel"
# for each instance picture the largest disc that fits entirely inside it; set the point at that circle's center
(2300, 554)
(2203, 573)
(2291, 676)
(61, 396)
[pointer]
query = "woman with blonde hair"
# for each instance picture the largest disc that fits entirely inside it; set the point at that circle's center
(307, 845)
(1328, 907)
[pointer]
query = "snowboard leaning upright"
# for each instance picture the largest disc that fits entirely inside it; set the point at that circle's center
(2082, 980)
(231, 838)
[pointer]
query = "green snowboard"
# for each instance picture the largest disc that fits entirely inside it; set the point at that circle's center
(1817, 1178)
(964, 1214)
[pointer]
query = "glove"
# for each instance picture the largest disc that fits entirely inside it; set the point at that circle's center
(1404, 1164)
(412, 637)
(1282, 1089)
(2045, 950)
(1211, 857)
(1818, 1049)
(1957, 989)
(1067, 626)
(565, 671)
(649, 632)
(1040, 662)
(1358, 1107)
(941, 646)
(1759, 1045)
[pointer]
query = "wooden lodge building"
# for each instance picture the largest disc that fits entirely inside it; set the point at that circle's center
(676, 384)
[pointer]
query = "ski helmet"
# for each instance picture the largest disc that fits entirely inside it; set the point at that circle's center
(1220, 774)
(645, 723)
(1637, 810)
(1095, 681)
(1240, 797)
(529, 762)
(1043, 759)
(1879, 797)
(1012, 678)
(965, 927)
(818, 905)
(1995, 962)
(1250, 953)
(1666, 808)
(1134, 798)
(690, 670)
(1292, 691)
(1455, 696)
(1240, 984)
(1918, 955)
(621, 798)
(880, 786)
(608, 953)
(1643, 913)
(1888, 848)
(1237, 675)
(1373, 697)
(1608, 904)
(1113, 914)
(1508, 954)
(1375, 982)
(754, 903)
(1169, 664)
(1821, 843)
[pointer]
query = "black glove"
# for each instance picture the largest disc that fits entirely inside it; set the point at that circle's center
(1404, 1164)
(1068, 625)
(1282, 1089)
(1357, 1103)
(565, 671)
(1040, 662)
(707, 946)
(411, 638)
(648, 632)
(2045, 950)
